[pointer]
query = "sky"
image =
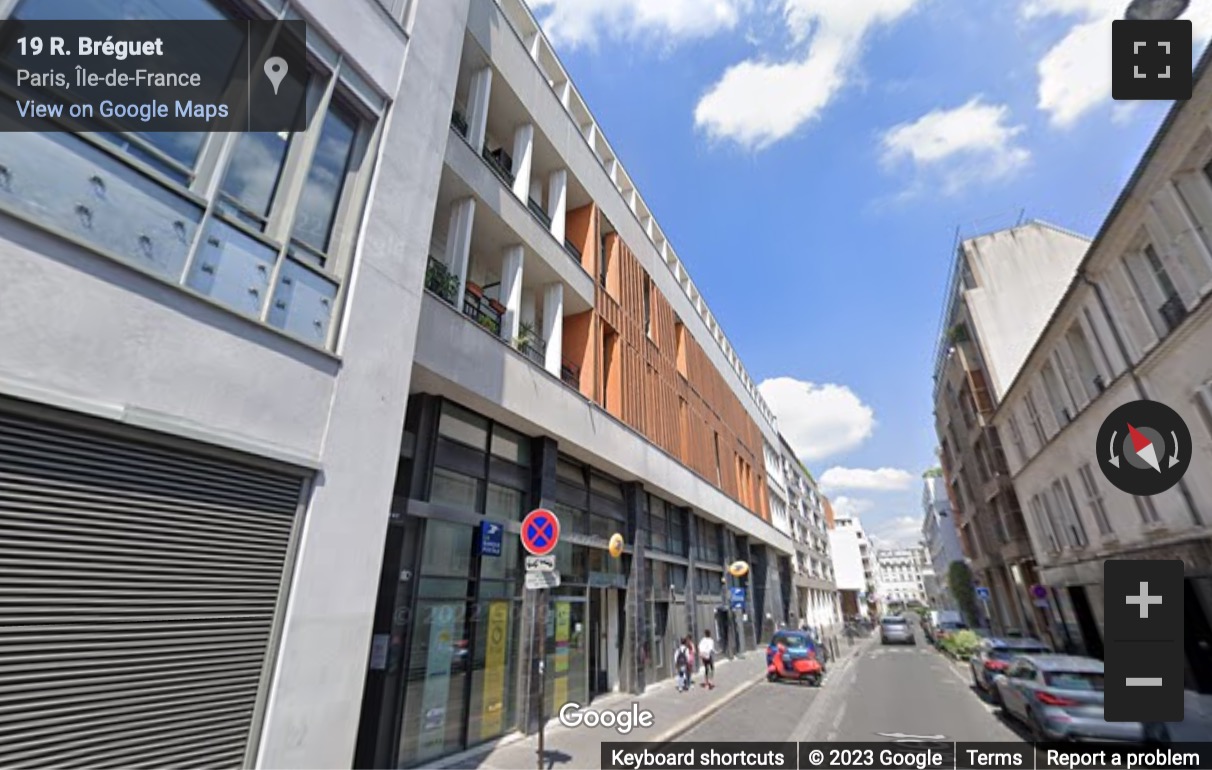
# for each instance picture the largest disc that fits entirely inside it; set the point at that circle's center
(811, 162)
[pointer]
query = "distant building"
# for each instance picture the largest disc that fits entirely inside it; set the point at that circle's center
(815, 601)
(941, 541)
(853, 566)
(900, 576)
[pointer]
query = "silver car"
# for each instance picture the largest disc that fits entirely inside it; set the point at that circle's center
(1060, 697)
(895, 629)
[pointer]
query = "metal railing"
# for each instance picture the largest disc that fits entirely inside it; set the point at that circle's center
(537, 209)
(1173, 312)
(497, 161)
(482, 312)
(459, 121)
(534, 348)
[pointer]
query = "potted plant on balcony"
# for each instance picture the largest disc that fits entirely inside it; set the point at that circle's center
(526, 335)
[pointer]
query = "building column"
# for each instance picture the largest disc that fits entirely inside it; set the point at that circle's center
(511, 291)
(637, 636)
(458, 243)
(553, 326)
(557, 202)
(477, 108)
(523, 152)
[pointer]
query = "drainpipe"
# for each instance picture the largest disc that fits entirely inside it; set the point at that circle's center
(1192, 509)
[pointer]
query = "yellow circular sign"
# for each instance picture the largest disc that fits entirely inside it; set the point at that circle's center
(738, 569)
(616, 545)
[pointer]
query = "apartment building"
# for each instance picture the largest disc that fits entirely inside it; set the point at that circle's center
(816, 601)
(263, 396)
(1001, 292)
(854, 571)
(940, 538)
(1134, 323)
(900, 576)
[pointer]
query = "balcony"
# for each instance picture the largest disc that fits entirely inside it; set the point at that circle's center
(441, 281)
(484, 311)
(570, 373)
(572, 250)
(531, 345)
(1173, 312)
(537, 209)
(501, 164)
(458, 121)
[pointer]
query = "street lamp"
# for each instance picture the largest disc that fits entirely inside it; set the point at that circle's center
(1155, 10)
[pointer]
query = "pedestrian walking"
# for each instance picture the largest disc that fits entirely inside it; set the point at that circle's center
(707, 655)
(681, 662)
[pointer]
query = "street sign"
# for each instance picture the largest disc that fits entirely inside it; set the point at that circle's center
(737, 598)
(1039, 591)
(982, 592)
(540, 563)
(540, 532)
(537, 580)
(489, 542)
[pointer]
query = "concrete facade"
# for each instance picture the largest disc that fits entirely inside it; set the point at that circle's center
(816, 602)
(853, 566)
(1134, 324)
(1002, 287)
(900, 576)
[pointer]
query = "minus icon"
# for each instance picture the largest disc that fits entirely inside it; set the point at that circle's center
(1143, 681)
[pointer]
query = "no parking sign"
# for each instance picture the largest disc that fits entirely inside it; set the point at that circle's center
(540, 532)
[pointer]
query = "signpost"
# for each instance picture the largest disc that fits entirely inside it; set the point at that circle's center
(1041, 595)
(540, 534)
(982, 593)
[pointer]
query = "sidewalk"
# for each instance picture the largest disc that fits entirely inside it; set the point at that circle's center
(673, 714)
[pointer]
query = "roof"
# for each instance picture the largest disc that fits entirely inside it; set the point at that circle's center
(1074, 663)
(1205, 60)
(1017, 642)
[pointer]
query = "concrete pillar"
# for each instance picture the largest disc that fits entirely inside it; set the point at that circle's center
(523, 151)
(532, 44)
(637, 641)
(565, 91)
(511, 291)
(557, 202)
(458, 243)
(612, 168)
(553, 325)
(477, 108)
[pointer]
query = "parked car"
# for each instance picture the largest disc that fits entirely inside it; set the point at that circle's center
(995, 655)
(1060, 698)
(1196, 726)
(895, 629)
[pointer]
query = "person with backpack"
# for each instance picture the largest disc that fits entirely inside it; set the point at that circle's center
(681, 663)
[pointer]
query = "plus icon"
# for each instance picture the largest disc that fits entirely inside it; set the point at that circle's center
(1151, 60)
(1144, 600)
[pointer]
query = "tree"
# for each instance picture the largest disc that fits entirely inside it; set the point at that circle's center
(959, 580)
(933, 473)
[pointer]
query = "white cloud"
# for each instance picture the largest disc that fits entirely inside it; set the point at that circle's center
(850, 506)
(897, 532)
(876, 480)
(818, 420)
(760, 100)
(972, 142)
(584, 22)
(1075, 74)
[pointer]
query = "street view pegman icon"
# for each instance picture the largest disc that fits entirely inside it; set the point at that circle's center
(1151, 60)
(1144, 448)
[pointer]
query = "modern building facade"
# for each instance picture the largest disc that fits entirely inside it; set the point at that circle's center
(853, 566)
(1002, 290)
(900, 576)
(940, 538)
(815, 603)
(1133, 324)
(264, 399)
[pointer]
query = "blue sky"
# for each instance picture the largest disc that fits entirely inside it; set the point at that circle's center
(810, 161)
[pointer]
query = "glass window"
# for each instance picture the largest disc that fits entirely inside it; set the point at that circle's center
(329, 167)
(455, 490)
(1094, 499)
(252, 176)
(677, 532)
(1088, 681)
(1087, 371)
(571, 472)
(463, 426)
(447, 549)
(510, 446)
(493, 679)
(437, 669)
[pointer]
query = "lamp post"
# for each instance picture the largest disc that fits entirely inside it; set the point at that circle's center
(1155, 10)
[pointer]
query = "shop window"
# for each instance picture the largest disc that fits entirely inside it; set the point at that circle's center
(463, 426)
(455, 490)
(510, 446)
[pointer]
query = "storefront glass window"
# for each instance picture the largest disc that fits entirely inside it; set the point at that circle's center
(567, 655)
(454, 489)
(493, 676)
(510, 446)
(447, 549)
(463, 426)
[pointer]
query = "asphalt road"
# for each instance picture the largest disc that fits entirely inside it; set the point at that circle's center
(883, 693)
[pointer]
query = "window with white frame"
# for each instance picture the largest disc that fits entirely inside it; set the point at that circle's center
(1016, 437)
(1083, 359)
(1043, 523)
(1075, 531)
(260, 223)
(1147, 510)
(1055, 395)
(1033, 419)
(1155, 289)
(1094, 499)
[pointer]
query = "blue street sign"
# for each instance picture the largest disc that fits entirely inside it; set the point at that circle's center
(982, 592)
(489, 542)
(737, 598)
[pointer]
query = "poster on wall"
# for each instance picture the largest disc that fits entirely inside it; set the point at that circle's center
(491, 721)
(437, 678)
(563, 617)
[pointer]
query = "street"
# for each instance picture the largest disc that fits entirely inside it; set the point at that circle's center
(883, 693)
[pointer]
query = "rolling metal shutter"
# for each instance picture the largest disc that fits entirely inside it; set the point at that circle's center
(138, 590)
